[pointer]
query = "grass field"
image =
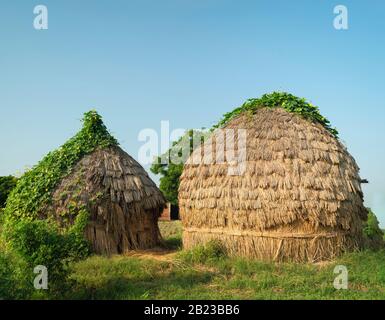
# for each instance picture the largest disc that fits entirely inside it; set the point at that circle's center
(206, 274)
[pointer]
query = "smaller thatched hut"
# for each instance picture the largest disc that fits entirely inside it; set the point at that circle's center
(123, 202)
(92, 174)
(298, 199)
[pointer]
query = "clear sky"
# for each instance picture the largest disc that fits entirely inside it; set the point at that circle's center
(188, 62)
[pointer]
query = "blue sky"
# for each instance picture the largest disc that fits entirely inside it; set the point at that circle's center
(188, 61)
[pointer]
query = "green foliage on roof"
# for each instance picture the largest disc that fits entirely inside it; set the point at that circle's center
(34, 189)
(283, 100)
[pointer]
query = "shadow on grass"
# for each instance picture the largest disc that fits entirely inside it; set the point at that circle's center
(174, 243)
(151, 287)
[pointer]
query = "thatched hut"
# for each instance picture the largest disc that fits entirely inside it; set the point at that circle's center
(298, 199)
(92, 174)
(123, 202)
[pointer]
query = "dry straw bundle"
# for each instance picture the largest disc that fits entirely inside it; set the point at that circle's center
(299, 198)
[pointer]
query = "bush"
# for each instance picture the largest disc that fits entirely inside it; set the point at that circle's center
(13, 281)
(7, 282)
(211, 251)
(40, 242)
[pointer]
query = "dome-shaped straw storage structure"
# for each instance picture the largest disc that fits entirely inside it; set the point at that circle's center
(123, 202)
(299, 198)
(91, 174)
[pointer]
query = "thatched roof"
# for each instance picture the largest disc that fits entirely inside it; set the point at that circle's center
(108, 174)
(300, 183)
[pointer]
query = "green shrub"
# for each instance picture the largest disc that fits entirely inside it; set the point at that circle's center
(211, 251)
(14, 283)
(7, 282)
(40, 242)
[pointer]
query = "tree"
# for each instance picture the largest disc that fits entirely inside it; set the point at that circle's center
(7, 184)
(373, 232)
(170, 164)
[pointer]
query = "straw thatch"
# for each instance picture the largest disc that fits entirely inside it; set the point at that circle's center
(123, 202)
(299, 198)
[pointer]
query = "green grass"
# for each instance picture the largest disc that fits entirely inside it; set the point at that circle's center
(172, 233)
(205, 273)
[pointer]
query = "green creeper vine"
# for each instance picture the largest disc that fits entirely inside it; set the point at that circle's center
(283, 100)
(34, 189)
